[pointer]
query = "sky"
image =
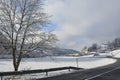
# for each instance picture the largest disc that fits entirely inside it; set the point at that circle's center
(79, 23)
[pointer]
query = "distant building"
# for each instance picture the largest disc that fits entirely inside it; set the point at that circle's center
(103, 48)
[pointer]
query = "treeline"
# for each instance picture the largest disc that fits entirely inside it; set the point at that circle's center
(113, 45)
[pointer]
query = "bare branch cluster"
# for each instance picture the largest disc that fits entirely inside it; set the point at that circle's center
(21, 21)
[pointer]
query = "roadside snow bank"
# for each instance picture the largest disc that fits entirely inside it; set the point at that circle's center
(96, 63)
(116, 53)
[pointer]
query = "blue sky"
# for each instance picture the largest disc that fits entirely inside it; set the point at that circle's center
(79, 23)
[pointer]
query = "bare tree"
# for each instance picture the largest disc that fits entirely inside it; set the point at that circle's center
(21, 21)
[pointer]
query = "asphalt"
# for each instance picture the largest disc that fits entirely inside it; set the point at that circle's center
(113, 75)
(91, 74)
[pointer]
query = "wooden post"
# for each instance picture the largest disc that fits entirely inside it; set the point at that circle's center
(1, 78)
(46, 73)
(69, 69)
(77, 62)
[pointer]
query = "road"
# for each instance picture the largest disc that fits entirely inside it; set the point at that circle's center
(112, 75)
(109, 72)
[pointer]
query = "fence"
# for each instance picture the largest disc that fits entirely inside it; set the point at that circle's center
(46, 71)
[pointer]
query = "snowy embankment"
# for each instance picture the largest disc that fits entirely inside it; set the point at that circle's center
(89, 61)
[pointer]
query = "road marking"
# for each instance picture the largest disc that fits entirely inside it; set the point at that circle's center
(102, 73)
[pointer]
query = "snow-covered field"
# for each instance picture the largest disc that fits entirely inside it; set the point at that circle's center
(47, 62)
(89, 61)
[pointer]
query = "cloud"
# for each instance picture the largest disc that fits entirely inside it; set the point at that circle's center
(83, 22)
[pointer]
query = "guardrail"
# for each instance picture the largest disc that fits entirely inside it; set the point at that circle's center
(2, 74)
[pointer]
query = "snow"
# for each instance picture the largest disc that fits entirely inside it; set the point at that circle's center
(89, 61)
(86, 62)
(116, 53)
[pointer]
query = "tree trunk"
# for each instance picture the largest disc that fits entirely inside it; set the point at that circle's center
(15, 68)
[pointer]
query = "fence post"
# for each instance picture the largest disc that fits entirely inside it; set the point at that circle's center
(69, 69)
(77, 62)
(46, 73)
(1, 77)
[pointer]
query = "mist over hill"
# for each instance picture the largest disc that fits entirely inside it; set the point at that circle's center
(5, 50)
(62, 51)
(53, 52)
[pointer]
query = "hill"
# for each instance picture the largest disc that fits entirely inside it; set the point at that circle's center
(5, 50)
(53, 52)
(63, 52)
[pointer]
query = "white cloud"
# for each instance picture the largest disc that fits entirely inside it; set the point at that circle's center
(82, 22)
